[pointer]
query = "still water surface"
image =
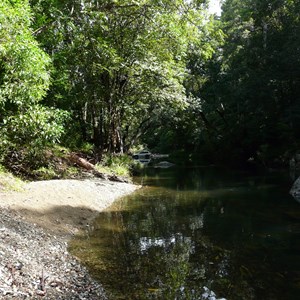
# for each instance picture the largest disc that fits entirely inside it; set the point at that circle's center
(200, 233)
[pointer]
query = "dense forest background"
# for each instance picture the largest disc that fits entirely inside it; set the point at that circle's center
(113, 76)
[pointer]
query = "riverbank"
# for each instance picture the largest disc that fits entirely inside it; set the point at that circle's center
(35, 226)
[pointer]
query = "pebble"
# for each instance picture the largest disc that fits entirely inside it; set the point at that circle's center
(35, 264)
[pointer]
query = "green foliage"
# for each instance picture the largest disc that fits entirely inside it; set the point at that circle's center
(117, 61)
(116, 164)
(45, 173)
(118, 74)
(24, 66)
(52, 171)
(248, 101)
(24, 80)
(2, 169)
(87, 148)
(36, 127)
(48, 162)
(30, 132)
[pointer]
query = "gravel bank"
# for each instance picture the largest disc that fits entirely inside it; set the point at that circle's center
(35, 226)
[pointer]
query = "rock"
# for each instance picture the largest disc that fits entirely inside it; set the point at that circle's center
(295, 162)
(164, 164)
(28, 268)
(210, 295)
(295, 190)
(34, 258)
(292, 163)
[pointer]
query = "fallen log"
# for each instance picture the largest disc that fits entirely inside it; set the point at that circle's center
(81, 162)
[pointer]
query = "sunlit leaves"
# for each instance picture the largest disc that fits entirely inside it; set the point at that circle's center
(122, 58)
(25, 77)
(24, 81)
(36, 127)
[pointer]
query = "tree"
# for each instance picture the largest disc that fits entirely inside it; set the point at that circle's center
(118, 64)
(24, 80)
(249, 104)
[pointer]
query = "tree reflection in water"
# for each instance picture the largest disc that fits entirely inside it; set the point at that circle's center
(164, 243)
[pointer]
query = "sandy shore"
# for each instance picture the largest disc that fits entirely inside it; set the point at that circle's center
(35, 226)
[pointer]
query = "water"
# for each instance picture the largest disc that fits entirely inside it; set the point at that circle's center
(198, 234)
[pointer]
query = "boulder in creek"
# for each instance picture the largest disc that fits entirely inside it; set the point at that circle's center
(295, 190)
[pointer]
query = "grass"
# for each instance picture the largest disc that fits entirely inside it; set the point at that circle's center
(55, 163)
(46, 173)
(58, 165)
(119, 165)
(9, 182)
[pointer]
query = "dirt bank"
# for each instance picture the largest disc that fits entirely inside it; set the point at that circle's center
(35, 225)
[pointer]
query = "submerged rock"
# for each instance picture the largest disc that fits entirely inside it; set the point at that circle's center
(164, 164)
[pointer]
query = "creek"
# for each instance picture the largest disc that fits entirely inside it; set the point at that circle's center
(198, 233)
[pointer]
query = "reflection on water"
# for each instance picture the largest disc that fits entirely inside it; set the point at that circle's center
(198, 234)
